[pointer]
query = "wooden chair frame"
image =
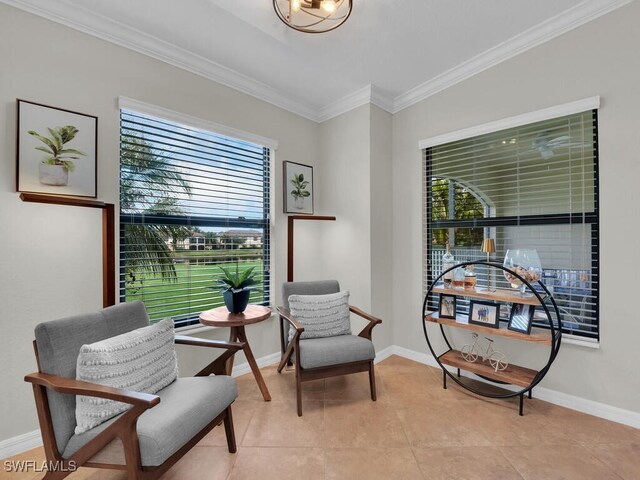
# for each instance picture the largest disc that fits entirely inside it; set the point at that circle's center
(124, 427)
(308, 374)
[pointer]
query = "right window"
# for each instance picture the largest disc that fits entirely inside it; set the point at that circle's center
(533, 186)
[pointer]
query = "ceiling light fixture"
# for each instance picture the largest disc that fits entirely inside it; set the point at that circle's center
(313, 16)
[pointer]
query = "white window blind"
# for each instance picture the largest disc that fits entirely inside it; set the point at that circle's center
(535, 186)
(191, 201)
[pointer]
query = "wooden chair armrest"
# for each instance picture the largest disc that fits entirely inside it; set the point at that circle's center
(203, 342)
(295, 340)
(364, 315)
(77, 387)
(284, 313)
(373, 321)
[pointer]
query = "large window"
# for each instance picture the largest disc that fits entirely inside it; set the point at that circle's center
(532, 186)
(191, 201)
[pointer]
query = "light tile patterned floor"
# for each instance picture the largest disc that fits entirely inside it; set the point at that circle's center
(415, 430)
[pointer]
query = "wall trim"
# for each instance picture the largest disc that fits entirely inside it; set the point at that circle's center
(562, 23)
(83, 19)
(364, 96)
(515, 121)
(590, 407)
(30, 440)
(195, 122)
(20, 444)
(262, 362)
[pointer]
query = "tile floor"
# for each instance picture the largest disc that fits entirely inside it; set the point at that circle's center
(415, 430)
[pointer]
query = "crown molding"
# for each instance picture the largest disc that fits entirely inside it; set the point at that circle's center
(579, 15)
(363, 96)
(86, 21)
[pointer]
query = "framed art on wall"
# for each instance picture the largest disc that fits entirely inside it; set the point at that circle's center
(298, 188)
(57, 151)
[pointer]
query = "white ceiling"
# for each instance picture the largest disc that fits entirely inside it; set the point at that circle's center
(391, 52)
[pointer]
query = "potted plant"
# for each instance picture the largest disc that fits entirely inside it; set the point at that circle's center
(236, 288)
(299, 192)
(55, 167)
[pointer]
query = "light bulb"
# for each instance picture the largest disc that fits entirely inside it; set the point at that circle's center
(328, 6)
(295, 5)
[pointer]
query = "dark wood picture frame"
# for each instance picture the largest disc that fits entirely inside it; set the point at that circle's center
(451, 313)
(76, 178)
(292, 203)
(521, 318)
(492, 314)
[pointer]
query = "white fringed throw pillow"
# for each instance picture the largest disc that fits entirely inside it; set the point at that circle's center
(142, 360)
(321, 315)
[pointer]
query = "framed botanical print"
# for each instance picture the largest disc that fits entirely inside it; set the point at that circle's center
(298, 188)
(57, 151)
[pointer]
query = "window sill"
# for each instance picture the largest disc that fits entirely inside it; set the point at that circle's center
(580, 341)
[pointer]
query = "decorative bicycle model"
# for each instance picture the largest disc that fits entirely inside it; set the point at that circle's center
(471, 353)
(494, 367)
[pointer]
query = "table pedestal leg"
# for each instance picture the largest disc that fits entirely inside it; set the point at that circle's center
(238, 333)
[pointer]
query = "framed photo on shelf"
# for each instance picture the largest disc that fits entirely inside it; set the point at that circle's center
(521, 318)
(298, 188)
(57, 151)
(447, 306)
(486, 314)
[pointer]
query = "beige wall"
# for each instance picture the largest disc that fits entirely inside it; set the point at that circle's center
(356, 188)
(367, 173)
(596, 59)
(50, 263)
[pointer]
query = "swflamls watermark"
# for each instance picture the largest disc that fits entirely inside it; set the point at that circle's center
(22, 466)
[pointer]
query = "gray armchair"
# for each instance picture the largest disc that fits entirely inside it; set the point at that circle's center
(316, 358)
(155, 432)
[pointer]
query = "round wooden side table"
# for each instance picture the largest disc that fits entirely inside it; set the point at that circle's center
(220, 317)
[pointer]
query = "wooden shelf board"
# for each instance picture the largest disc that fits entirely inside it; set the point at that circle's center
(61, 200)
(539, 338)
(513, 374)
(312, 217)
(500, 295)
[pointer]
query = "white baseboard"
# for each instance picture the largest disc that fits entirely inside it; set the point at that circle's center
(20, 444)
(31, 440)
(262, 362)
(602, 410)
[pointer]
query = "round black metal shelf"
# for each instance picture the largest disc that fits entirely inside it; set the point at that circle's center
(555, 334)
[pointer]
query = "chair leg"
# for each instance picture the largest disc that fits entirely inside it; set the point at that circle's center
(372, 381)
(298, 391)
(228, 428)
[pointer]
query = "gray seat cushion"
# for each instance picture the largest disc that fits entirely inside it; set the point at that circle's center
(322, 352)
(185, 408)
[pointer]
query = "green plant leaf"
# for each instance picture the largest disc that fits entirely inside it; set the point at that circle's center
(71, 150)
(57, 138)
(69, 165)
(44, 140)
(67, 133)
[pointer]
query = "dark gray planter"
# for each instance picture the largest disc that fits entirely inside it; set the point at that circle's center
(236, 302)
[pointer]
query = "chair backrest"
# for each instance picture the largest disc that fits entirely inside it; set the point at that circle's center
(320, 287)
(58, 343)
